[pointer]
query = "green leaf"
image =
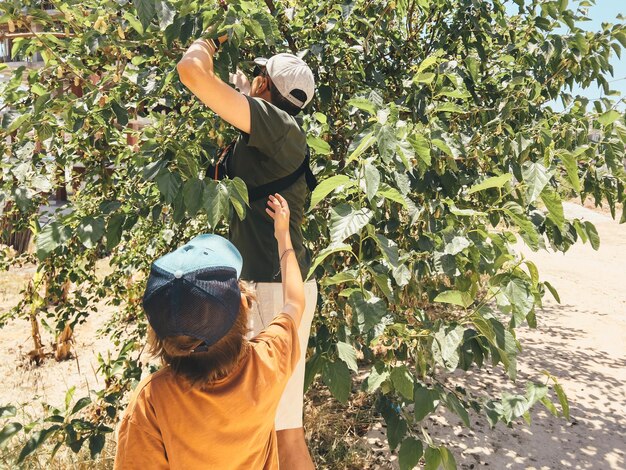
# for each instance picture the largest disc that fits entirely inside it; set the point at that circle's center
(193, 192)
(114, 230)
(528, 230)
(426, 78)
(396, 428)
(347, 354)
(455, 297)
(392, 194)
(363, 104)
(422, 147)
(449, 108)
(518, 292)
(336, 376)
(621, 37)
(374, 380)
(132, 20)
(571, 167)
(432, 456)
(536, 177)
(493, 182)
(7, 411)
(427, 63)
(80, 404)
(34, 442)
(120, 113)
(346, 221)
(550, 407)
(455, 405)
(9, 431)
(445, 346)
(365, 143)
(592, 233)
(513, 406)
(165, 14)
(456, 245)
(553, 291)
(534, 272)
(52, 236)
(535, 392)
(90, 231)
(18, 122)
(215, 202)
(96, 444)
(425, 400)
(372, 181)
(444, 147)
(560, 393)
(322, 255)
(447, 459)
(389, 249)
(367, 312)
(609, 117)
(313, 367)
(69, 395)
(410, 453)
(187, 164)
(402, 381)
(238, 195)
(169, 184)
(318, 145)
(146, 10)
(327, 186)
(553, 203)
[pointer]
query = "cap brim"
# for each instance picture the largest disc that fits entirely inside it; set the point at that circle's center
(260, 61)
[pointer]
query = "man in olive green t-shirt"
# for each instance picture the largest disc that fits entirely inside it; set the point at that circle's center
(271, 146)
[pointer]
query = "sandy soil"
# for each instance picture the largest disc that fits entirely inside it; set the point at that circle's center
(582, 341)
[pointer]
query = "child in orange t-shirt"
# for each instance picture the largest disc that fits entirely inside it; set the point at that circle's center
(213, 404)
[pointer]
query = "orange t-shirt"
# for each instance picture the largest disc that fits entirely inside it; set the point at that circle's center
(228, 425)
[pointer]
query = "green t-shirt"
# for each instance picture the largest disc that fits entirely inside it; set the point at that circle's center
(275, 147)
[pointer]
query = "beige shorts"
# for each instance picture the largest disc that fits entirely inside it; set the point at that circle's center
(269, 303)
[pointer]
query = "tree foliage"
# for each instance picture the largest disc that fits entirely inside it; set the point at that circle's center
(437, 136)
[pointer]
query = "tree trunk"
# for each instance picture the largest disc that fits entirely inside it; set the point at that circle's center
(63, 345)
(37, 355)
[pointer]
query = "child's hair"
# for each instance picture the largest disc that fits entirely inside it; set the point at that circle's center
(202, 368)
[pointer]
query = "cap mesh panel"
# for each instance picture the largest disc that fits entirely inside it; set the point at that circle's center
(203, 304)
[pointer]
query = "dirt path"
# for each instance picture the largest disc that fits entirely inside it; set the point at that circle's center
(583, 342)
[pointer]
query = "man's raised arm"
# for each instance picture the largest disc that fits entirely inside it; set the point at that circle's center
(196, 72)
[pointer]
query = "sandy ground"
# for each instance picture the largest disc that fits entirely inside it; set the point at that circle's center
(582, 342)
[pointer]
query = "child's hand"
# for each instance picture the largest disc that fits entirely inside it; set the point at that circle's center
(278, 209)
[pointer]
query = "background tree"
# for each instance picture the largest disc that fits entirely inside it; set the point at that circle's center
(436, 140)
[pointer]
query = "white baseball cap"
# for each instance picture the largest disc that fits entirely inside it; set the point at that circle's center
(290, 73)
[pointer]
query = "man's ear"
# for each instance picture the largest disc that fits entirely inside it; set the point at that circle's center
(263, 85)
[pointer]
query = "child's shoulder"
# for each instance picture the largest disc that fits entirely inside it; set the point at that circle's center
(145, 386)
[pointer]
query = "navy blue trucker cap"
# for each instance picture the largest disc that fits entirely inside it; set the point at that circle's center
(194, 290)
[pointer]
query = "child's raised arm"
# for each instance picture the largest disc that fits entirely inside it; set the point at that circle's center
(293, 287)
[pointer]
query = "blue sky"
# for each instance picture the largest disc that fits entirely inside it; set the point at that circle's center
(604, 11)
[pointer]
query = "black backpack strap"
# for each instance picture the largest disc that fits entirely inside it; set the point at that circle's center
(279, 185)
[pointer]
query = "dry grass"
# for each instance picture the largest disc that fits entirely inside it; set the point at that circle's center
(335, 431)
(65, 459)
